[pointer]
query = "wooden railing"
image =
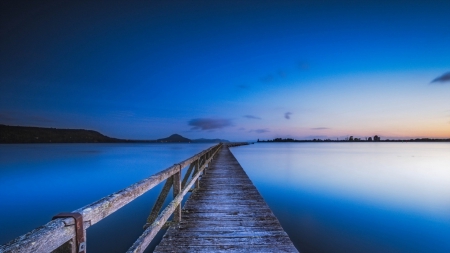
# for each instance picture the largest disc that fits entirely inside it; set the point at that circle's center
(59, 235)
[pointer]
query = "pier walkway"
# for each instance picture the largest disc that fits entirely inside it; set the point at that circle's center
(226, 213)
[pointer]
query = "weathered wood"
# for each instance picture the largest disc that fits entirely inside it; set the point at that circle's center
(144, 240)
(188, 174)
(57, 232)
(199, 164)
(159, 202)
(68, 247)
(226, 213)
(104, 207)
(42, 239)
(176, 192)
(267, 248)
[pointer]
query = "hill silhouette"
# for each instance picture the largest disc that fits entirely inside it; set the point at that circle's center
(21, 134)
(179, 138)
(25, 134)
(174, 138)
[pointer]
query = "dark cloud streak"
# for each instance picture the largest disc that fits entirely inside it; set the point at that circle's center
(260, 131)
(209, 124)
(442, 79)
(251, 117)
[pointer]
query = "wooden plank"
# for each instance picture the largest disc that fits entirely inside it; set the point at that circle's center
(144, 240)
(228, 248)
(226, 214)
(187, 175)
(106, 206)
(57, 232)
(43, 239)
(159, 202)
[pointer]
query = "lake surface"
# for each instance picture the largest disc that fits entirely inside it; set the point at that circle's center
(329, 197)
(356, 197)
(38, 181)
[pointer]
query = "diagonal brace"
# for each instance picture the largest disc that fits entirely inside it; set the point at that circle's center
(159, 202)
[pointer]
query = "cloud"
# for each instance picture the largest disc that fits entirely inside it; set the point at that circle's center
(287, 115)
(444, 78)
(209, 124)
(260, 131)
(251, 117)
(320, 128)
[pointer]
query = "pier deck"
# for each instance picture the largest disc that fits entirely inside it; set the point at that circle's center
(226, 214)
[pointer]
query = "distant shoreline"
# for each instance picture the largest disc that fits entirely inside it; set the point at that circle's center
(346, 141)
(29, 135)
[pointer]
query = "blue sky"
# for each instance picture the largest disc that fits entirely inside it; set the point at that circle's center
(238, 70)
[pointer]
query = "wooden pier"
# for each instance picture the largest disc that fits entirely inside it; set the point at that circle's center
(226, 214)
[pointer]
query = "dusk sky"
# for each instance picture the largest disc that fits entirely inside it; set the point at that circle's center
(236, 70)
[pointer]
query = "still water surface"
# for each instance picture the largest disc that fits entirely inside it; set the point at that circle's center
(356, 197)
(38, 181)
(329, 197)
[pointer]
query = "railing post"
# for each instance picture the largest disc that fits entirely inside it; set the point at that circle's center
(56, 232)
(78, 243)
(197, 168)
(206, 164)
(83, 248)
(176, 191)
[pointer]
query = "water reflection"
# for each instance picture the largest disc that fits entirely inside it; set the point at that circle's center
(356, 197)
(39, 180)
(329, 197)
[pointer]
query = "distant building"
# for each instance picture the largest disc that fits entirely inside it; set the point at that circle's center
(370, 139)
(376, 138)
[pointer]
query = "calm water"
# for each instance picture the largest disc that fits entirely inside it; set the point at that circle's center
(356, 197)
(38, 181)
(329, 197)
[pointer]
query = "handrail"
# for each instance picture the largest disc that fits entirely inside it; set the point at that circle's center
(62, 231)
(145, 239)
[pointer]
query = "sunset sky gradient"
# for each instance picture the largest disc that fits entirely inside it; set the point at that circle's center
(237, 70)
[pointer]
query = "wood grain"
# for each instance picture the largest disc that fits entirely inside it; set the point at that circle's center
(57, 232)
(226, 214)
